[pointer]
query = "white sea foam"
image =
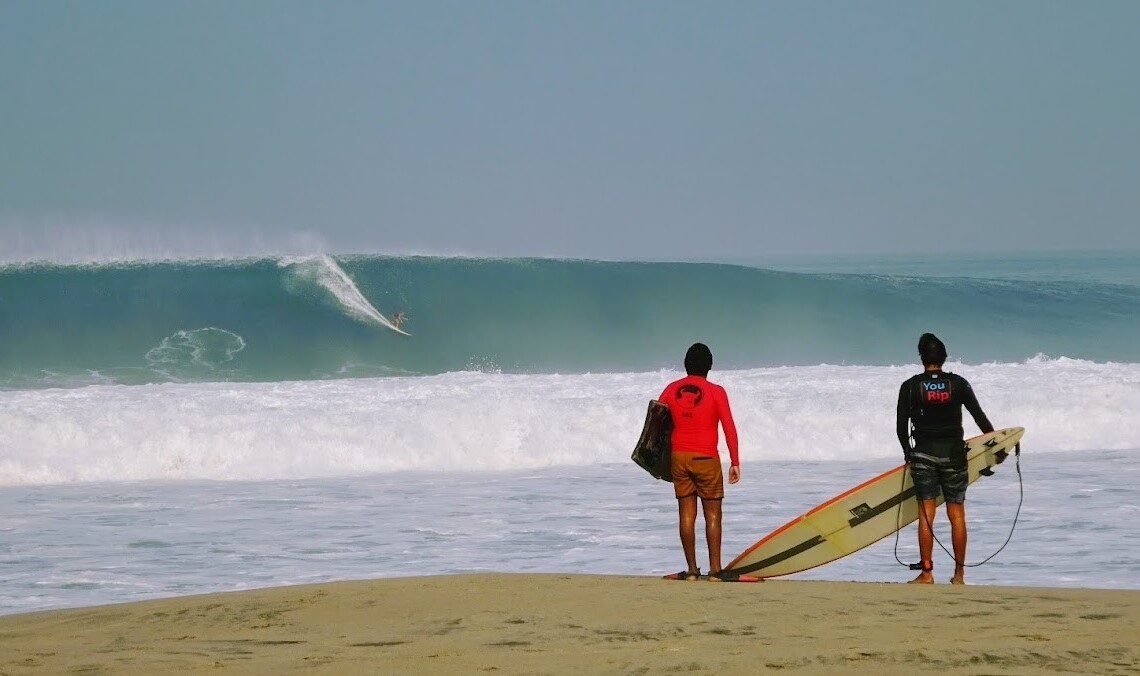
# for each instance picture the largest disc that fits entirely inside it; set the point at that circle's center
(492, 421)
(91, 543)
(208, 349)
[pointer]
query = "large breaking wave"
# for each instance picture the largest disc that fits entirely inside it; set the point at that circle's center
(322, 317)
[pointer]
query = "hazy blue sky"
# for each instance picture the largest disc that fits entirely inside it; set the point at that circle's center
(596, 129)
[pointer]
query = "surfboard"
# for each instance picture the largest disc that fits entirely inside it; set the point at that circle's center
(860, 516)
(652, 452)
(391, 324)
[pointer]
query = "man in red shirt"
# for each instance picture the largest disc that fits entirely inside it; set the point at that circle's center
(697, 406)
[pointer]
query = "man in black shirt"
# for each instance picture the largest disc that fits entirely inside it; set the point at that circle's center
(931, 402)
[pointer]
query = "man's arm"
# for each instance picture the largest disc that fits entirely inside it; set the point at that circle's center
(902, 419)
(729, 425)
(970, 401)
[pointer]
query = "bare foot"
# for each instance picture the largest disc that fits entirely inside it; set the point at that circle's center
(957, 579)
(925, 577)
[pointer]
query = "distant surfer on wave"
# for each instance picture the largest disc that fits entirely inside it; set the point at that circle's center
(398, 319)
(697, 406)
(932, 403)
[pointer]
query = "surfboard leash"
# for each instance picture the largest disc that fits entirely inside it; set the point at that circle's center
(922, 515)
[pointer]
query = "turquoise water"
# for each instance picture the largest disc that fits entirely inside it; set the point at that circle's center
(1120, 267)
(321, 317)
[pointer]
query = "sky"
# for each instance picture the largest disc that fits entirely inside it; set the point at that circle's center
(616, 130)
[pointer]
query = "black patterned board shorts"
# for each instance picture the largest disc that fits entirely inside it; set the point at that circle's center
(933, 475)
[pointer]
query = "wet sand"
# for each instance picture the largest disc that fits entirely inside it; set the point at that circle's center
(588, 624)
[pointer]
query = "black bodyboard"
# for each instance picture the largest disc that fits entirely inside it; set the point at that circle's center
(652, 452)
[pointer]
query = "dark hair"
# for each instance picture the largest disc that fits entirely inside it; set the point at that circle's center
(698, 360)
(931, 350)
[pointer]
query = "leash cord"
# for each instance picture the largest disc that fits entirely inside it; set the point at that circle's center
(922, 515)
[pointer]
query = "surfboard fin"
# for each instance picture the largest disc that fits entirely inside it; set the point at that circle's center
(1000, 457)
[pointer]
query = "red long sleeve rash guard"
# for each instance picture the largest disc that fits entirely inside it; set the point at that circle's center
(696, 406)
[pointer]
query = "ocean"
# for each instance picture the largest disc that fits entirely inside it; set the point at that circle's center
(173, 427)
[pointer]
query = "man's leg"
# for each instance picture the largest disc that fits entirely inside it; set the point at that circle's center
(712, 532)
(687, 515)
(956, 512)
(926, 510)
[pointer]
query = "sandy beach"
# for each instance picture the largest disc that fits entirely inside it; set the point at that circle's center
(556, 624)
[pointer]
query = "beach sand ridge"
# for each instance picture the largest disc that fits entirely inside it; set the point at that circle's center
(588, 624)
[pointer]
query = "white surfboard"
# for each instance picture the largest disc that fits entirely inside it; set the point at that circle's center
(860, 516)
(392, 325)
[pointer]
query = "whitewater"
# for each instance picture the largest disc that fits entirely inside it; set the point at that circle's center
(174, 427)
(471, 422)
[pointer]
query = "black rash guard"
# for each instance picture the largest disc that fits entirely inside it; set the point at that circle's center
(933, 401)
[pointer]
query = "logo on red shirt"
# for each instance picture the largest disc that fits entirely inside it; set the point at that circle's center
(688, 396)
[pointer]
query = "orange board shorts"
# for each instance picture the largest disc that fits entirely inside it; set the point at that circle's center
(697, 474)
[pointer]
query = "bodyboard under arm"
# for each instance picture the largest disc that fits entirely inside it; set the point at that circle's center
(652, 452)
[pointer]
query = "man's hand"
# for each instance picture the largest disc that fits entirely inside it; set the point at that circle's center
(734, 474)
